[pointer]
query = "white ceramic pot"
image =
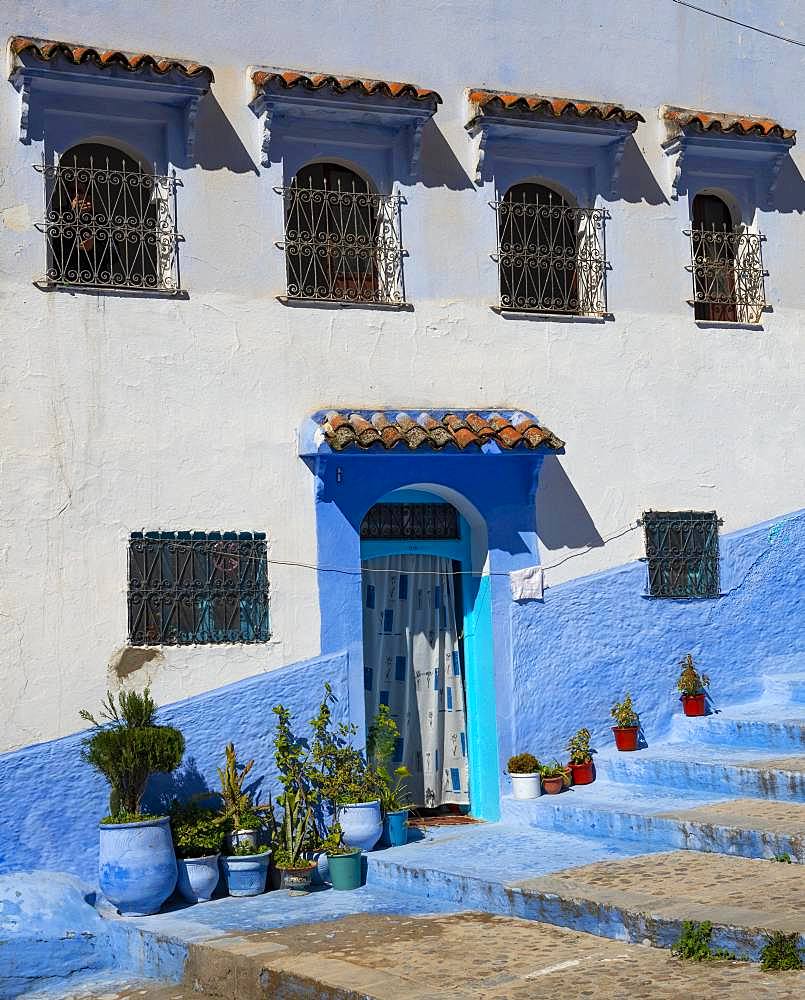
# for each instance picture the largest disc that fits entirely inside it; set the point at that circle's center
(198, 878)
(361, 824)
(526, 786)
(242, 838)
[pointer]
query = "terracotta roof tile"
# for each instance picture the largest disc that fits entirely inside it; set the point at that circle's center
(290, 78)
(709, 121)
(552, 107)
(45, 51)
(387, 429)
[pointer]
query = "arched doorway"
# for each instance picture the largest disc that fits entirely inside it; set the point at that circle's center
(415, 551)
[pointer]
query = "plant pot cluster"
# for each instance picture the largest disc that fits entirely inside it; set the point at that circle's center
(530, 778)
(200, 848)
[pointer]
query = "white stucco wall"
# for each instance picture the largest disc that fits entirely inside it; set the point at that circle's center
(123, 414)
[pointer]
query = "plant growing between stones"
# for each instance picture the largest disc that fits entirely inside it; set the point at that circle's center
(783, 858)
(694, 943)
(127, 747)
(690, 681)
(624, 714)
(523, 763)
(781, 952)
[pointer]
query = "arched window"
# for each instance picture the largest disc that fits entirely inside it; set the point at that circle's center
(715, 246)
(538, 243)
(108, 222)
(341, 238)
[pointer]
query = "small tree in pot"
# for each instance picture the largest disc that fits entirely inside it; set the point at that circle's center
(137, 867)
(394, 796)
(691, 686)
(581, 760)
(627, 723)
(524, 770)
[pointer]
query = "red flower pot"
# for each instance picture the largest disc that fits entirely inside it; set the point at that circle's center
(553, 786)
(583, 774)
(626, 737)
(693, 704)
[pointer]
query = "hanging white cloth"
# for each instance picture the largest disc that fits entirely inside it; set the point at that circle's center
(412, 663)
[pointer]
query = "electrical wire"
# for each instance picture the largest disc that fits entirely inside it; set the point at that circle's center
(740, 24)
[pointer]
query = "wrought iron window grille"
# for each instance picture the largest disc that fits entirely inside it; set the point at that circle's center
(109, 228)
(728, 274)
(551, 257)
(197, 587)
(343, 245)
(682, 553)
(412, 521)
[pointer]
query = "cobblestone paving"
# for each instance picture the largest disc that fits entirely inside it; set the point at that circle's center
(777, 764)
(463, 956)
(754, 814)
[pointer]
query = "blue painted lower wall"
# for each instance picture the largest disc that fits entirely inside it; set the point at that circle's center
(52, 801)
(595, 638)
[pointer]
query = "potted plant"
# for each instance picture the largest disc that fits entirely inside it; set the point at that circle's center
(627, 723)
(294, 835)
(137, 866)
(197, 839)
(554, 777)
(524, 770)
(394, 796)
(238, 812)
(344, 862)
(691, 685)
(581, 760)
(246, 869)
(350, 784)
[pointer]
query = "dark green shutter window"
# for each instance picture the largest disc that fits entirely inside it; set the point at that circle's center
(682, 553)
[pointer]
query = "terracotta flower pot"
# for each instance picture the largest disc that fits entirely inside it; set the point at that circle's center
(553, 786)
(583, 774)
(693, 704)
(626, 737)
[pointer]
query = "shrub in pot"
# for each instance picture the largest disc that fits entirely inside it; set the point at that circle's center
(581, 760)
(246, 869)
(197, 839)
(524, 770)
(347, 781)
(241, 817)
(137, 866)
(344, 862)
(627, 723)
(394, 796)
(555, 778)
(691, 686)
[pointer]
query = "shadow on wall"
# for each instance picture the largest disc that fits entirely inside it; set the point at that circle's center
(218, 146)
(438, 164)
(636, 182)
(563, 522)
(789, 191)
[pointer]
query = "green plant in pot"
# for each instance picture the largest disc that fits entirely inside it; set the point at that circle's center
(351, 785)
(240, 816)
(198, 837)
(395, 798)
(137, 866)
(344, 862)
(627, 723)
(691, 686)
(524, 771)
(580, 758)
(555, 778)
(293, 836)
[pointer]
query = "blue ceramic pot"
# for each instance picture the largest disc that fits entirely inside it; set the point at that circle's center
(246, 874)
(137, 866)
(395, 828)
(198, 878)
(361, 824)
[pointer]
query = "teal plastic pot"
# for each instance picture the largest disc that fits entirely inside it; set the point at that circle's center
(345, 870)
(395, 829)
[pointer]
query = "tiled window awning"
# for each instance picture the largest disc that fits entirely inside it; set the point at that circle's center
(681, 119)
(343, 85)
(46, 51)
(384, 429)
(485, 102)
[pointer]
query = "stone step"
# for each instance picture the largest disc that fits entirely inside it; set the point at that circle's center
(784, 688)
(666, 819)
(778, 729)
(719, 770)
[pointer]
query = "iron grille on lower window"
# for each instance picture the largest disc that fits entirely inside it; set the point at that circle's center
(342, 245)
(551, 257)
(109, 228)
(197, 587)
(728, 274)
(411, 520)
(682, 553)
